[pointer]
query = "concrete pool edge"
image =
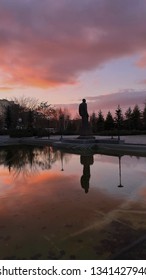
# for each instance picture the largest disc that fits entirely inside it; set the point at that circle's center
(105, 146)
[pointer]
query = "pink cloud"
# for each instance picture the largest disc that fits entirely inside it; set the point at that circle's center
(142, 61)
(142, 82)
(123, 98)
(47, 43)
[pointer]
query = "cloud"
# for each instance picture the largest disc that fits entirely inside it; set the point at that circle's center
(109, 102)
(123, 98)
(142, 82)
(142, 61)
(5, 88)
(48, 43)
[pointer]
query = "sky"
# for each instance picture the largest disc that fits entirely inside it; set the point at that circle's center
(64, 51)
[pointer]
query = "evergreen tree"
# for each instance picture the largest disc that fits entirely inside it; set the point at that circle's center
(119, 117)
(144, 118)
(136, 118)
(119, 120)
(93, 121)
(128, 120)
(100, 121)
(109, 121)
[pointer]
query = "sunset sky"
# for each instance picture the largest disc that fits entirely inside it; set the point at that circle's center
(61, 51)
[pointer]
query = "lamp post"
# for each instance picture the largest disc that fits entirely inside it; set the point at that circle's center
(20, 123)
(119, 119)
(61, 120)
(48, 118)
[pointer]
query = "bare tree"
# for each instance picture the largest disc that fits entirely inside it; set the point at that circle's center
(45, 110)
(27, 103)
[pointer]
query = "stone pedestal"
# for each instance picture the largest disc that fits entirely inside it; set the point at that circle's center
(86, 132)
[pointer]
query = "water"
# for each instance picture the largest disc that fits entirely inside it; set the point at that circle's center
(55, 205)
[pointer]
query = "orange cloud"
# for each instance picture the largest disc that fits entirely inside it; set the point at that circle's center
(5, 88)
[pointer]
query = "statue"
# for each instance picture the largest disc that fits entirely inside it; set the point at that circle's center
(84, 114)
(85, 130)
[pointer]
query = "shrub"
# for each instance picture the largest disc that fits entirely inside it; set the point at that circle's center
(18, 133)
(4, 131)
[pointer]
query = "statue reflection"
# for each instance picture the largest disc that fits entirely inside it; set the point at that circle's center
(86, 161)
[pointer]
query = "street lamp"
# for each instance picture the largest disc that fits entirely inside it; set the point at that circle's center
(61, 120)
(20, 123)
(48, 118)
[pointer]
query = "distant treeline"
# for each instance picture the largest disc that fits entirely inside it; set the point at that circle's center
(33, 118)
(132, 120)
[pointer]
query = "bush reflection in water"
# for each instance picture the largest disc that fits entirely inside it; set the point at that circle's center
(28, 159)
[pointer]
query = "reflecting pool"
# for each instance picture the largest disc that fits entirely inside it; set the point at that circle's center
(56, 205)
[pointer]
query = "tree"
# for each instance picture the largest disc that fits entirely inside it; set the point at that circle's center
(144, 117)
(72, 127)
(100, 121)
(119, 120)
(63, 113)
(67, 118)
(43, 114)
(119, 117)
(11, 114)
(93, 121)
(30, 119)
(26, 103)
(8, 117)
(136, 117)
(26, 108)
(45, 110)
(128, 119)
(109, 121)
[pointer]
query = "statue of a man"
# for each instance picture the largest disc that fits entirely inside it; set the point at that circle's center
(84, 113)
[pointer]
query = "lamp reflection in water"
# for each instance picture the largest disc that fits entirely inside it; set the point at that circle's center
(86, 161)
(61, 157)
(49, 157)
(120, 173)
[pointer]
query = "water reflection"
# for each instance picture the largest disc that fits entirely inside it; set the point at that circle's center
(27, 160)
(48, 215)
(86, 161)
